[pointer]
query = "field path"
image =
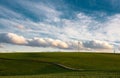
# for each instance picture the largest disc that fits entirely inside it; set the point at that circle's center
(56, 64)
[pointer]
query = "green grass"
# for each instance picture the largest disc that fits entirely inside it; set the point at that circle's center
(70, 75)
(17, 67)
(94, 64)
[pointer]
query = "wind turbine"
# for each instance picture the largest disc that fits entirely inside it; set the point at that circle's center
(78, 45)
(114, 49)
(115, 46)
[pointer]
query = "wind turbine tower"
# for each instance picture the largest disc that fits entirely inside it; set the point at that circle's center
(78, 45)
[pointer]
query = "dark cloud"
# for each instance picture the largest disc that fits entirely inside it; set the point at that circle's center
(96, 44)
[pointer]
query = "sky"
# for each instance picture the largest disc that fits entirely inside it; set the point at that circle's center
(59, 25)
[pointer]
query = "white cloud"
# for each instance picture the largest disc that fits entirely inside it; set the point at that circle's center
(60, 44)
(82, 27)
(112, 28)
(12, 38)
(7, 13)
(75, 45)
(41, 9)
(1, 46)
(21, 27)
(48, 42)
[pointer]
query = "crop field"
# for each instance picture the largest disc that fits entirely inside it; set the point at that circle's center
(59, 65)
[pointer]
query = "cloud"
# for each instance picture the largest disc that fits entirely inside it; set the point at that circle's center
(62, 32)
(70, 45)
(21, 27)
(74, 45)
(97, 44)
(112, 27)
(48, 42)
(41, 10)
(8, 13)
(1, 46)
(39, 42)
(42, 42)
(60, 44)
(81, 27)
(12, 38)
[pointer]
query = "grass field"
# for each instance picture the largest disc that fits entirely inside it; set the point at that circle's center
(56, 65)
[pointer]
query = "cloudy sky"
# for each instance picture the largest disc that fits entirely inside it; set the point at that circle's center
(59, 25)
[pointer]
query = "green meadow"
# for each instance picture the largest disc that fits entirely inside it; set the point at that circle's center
(59, 65)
